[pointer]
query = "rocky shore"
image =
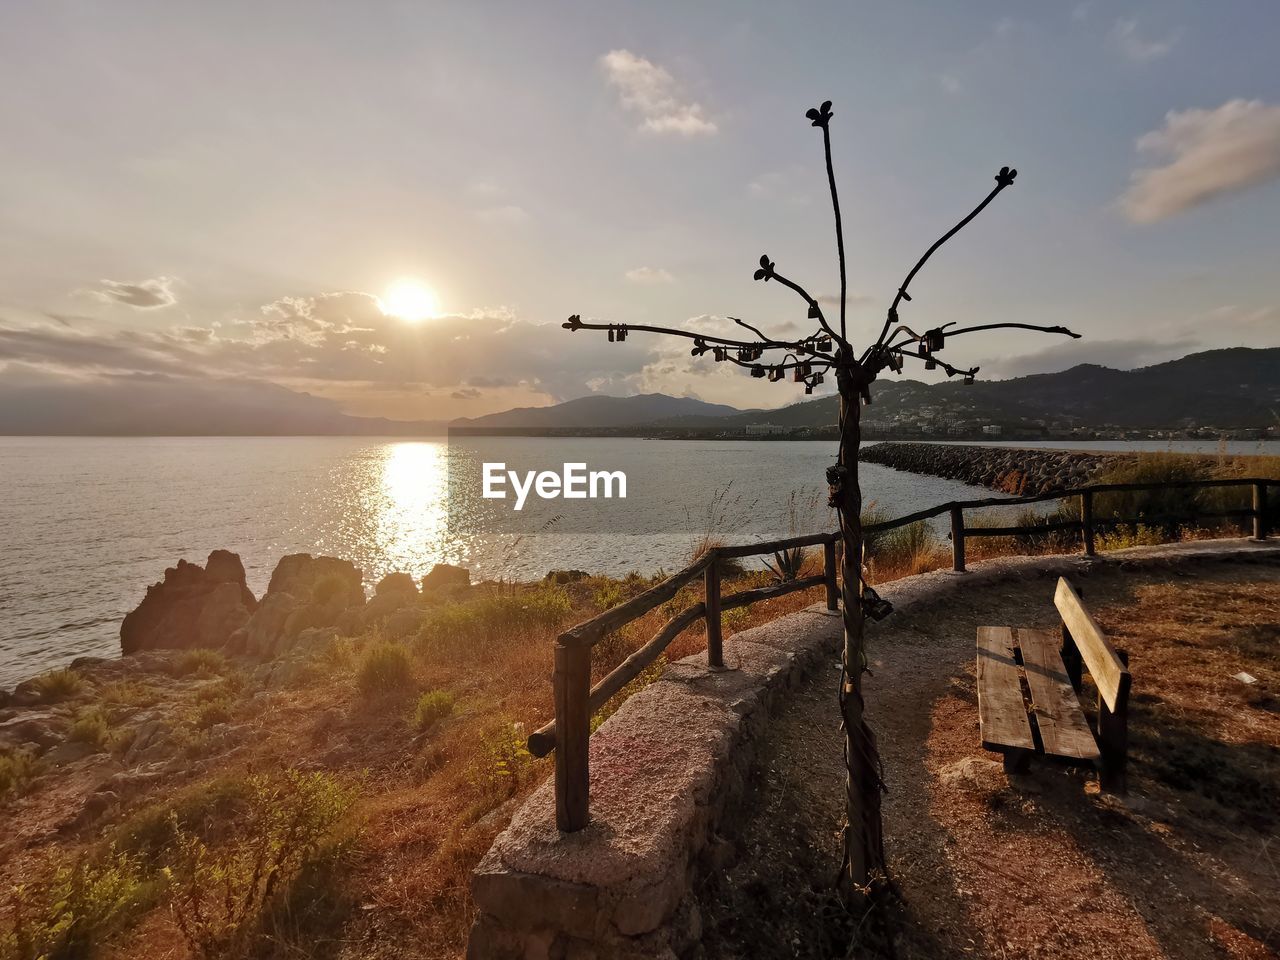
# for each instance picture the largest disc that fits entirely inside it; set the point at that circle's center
(187, 625)
(1021, 471)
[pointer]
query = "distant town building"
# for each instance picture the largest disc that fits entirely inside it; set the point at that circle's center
(761, 429)
(992, 430)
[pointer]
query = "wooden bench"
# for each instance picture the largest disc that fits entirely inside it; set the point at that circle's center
(1028, 692)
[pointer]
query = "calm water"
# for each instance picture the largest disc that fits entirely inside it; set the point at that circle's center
(87, 523)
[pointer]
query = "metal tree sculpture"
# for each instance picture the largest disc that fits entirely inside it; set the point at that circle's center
(808, 360)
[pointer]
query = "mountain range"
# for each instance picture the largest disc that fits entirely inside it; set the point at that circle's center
(1235, 388)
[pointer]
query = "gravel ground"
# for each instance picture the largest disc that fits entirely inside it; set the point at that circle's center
(1043, 866)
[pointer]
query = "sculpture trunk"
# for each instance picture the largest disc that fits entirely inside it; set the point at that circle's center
(864, 846)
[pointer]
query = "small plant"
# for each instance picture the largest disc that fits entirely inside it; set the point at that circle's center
(91, 727)
(58, 684)
(787, 564)
(17, 769)
(386, 670)
(211, 713)
(207, 810)
(74, 907)
(431, 708)
(222, 893)
(128, 693)
(200, 661)
(502, 760)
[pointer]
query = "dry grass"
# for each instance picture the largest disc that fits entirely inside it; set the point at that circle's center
(1043, 867)
(435, 785)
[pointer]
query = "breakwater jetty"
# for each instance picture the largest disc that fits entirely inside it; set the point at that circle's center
(1015, 470)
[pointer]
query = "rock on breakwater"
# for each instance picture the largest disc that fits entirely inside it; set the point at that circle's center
(1021, 471)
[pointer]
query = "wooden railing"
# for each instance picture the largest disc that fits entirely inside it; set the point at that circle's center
(1088, 523)
(576, 700)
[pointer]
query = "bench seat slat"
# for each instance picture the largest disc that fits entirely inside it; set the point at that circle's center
(1064, 731)
(1002, 714)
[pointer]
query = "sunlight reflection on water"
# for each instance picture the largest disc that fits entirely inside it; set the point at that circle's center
(88, 523)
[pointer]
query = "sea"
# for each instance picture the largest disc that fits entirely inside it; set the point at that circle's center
(86, 524)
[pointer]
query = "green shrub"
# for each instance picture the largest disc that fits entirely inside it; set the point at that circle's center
(497, 616)
(91, 727)
(1047, 541)
(1166, 510)
(431, 708)
(68, 912)
(17, 769)
(905, 550)
(211, 713)
(58, 684)
(207, 810)
(199, 661)
(385, 670)
(128, 693)
(502, 760)
(222, 893)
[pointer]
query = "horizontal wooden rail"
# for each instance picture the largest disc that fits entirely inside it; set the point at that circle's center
(543, 740)
(930, 512)
(576, 700)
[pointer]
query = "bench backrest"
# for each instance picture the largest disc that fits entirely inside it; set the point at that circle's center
(1109, 673)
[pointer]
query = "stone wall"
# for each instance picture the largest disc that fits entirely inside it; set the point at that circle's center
(1016, 470)
(666, 769)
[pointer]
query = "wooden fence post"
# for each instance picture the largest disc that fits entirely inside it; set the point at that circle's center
(1260, 511)
(829, 570)
(715, 641)
(1086, 523)
(573, 733)
(957, 539)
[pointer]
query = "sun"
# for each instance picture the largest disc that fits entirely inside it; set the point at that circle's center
(410, 300)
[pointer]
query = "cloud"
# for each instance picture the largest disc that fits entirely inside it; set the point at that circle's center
(651, 92)
(649, 275)
(341, 345)
(1211, 153)
(144, 295)
(1125, 38)
(950, 85)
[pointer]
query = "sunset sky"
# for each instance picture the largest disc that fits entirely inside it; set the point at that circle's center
(217, 199)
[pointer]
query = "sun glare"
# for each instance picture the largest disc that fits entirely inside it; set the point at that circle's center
(410, 300)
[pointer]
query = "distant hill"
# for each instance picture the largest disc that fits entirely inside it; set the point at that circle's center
(1233, 388)
(603, 412)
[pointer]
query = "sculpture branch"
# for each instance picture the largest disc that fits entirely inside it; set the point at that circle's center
(1004, 179)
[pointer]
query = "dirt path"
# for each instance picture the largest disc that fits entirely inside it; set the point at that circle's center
(1043, 867)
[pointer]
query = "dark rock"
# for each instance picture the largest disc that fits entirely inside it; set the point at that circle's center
(69, 752)
(561, 577)
(42, 729)
(396, 584)
(193, 606)
(394, 592)
(322, 580)
(1018, 471)
(305, 593)
(445, 576)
